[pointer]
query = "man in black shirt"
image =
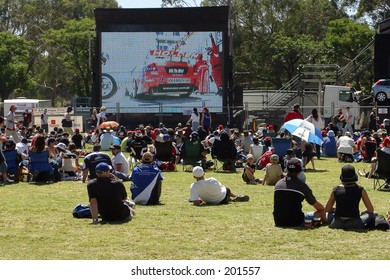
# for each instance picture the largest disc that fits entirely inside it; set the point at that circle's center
(288, 196)
(77, 139)
(108, 197)
(92, 160)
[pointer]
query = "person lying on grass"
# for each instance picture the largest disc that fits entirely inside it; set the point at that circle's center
(211, 191)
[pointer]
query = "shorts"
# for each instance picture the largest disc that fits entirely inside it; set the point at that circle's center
(227, 197)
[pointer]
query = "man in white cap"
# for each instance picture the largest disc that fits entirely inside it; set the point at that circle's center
(211, 191)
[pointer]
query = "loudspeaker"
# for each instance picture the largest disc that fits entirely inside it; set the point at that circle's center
(238, 95)
(382, 56)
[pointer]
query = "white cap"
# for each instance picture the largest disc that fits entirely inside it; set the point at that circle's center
(197, 171)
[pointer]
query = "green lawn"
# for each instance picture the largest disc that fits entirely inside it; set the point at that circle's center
(36, 223)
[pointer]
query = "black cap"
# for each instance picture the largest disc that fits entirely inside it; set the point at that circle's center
(294, 165)
(115, 147)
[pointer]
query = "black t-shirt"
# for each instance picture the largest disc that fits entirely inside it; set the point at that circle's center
(109, 195)
(347, 200)
(94, 159)
(77, 139)
(288, 197)
(137, 146)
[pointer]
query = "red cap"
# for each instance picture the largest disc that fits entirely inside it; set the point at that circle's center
(270, 126)
(386, 141)
(13, 106)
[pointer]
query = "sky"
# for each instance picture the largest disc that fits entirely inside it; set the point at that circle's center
(147, 3)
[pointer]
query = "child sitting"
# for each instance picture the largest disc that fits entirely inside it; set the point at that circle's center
(273, 171)
(249, 171)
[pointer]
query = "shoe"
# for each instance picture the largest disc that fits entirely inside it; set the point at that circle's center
(9, 181)
(241, 198)
(253, 182)
(386, 187)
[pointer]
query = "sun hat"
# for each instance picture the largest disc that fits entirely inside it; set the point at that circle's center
(248, 156)
(348, 174)
(60, 146)
(197, 171)
(330, 133)
(103, 167)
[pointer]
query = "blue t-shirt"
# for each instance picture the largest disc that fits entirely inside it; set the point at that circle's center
(145, 178)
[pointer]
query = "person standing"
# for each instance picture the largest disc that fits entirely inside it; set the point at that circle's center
(108, 197)
(45, 121)
(194, 119)
(27, 117)
(294, 114)
(101, 117)
(348, 119)
(318, 122)
(216, 66)
(10, 128)
(372, 127)
(67, 122)
(93, 117)
(206, 120)
(201, 68)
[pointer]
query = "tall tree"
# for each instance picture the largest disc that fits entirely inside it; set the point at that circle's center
(14, 53)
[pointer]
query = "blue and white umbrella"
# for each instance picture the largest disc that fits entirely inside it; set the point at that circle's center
(304, 130)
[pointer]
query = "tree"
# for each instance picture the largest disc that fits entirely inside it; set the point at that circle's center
(67, 59)
(14, 54)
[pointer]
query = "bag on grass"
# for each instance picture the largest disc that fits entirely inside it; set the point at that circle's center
(82, 211)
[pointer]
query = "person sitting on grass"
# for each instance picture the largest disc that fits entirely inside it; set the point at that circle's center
(108, 197)
(308, 155)
(347, 197)
(288, 196)
(211, 191)
(146, 181)
(249, 171)
(273, 171)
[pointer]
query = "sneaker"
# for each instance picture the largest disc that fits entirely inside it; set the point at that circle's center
(9, 181)
(241, 198)
(253, 182)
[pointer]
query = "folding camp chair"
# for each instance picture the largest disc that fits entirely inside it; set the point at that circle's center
(382, 171)
(12, 164)
(370, 147)
(281, 145)
(165, 155)
(136, 149)
(68, 167)
(40, 167)
(224, 154)
(191, 154)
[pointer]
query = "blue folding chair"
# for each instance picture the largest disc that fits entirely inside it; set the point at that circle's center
(281, 145)
(10, 159)
(39, 165)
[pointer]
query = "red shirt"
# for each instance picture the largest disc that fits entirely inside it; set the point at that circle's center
(293, 115)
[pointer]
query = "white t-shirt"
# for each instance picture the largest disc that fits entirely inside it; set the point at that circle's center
(120, 159)
(257, 151)
(209, 190)
(345, 145)
(10, 121)
(195, 118)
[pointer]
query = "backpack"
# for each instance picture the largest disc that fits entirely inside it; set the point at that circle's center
(82, 211)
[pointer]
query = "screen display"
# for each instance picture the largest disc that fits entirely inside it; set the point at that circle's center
(168, 72)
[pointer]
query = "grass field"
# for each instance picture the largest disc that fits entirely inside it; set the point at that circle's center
(36, 223)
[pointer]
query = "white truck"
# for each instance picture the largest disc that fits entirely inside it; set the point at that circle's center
(33, 105)
(335, 97)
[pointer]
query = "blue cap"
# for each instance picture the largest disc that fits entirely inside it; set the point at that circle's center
(166, 136)
(103, 167)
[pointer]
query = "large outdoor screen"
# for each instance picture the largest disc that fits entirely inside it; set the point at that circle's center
(150, 72)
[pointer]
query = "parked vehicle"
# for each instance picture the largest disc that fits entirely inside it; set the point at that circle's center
(335, 97)
(381, 90)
